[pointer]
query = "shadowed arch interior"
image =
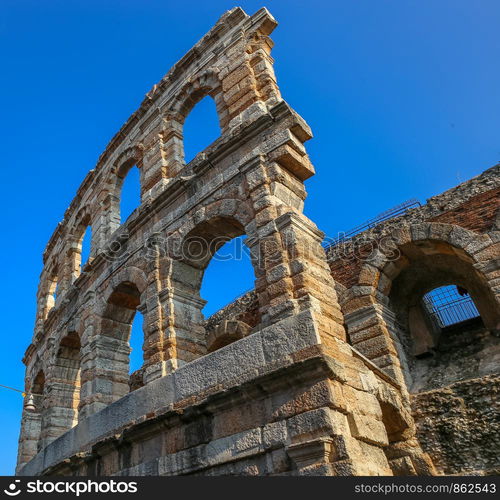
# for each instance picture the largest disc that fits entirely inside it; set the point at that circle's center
(38, 386)
(38, 391)
(428, 265)
(423, 267)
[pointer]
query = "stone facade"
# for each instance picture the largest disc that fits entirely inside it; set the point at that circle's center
(305, 375)
(453, 374)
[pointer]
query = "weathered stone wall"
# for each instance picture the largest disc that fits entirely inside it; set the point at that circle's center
(382, 275)
(273, 390)
(263, 405)
(473, 205)
(319, 368)
(456, 401)
(244, 308)
(458, 425)
(465, 351)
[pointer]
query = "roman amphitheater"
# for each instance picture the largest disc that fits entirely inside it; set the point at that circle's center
(375, 354)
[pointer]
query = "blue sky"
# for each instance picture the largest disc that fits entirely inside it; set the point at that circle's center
(402, 96)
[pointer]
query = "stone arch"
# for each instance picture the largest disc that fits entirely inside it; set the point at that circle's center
(132, 273)
(417, 259)
(108, 349)
(237, 210)
(193, 91)
(253, 176)
(451, 244)
(63, 384)
(37, 387)
(73, 265)
(111, 190)
(198, 242)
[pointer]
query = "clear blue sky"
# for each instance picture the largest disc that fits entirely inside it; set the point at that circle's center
(402, 95)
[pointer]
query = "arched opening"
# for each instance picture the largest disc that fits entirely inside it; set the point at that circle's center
(38, 389)
(136, 354)
(84, 246)
(201, 128)
(117, 326)
(80, 247)
(220, 243)
(81, 252)
(62, 414)
(429, 299)
(54, 289)
(231, 309)
(228, 276)
(129, 187)
(51, 292)
(444, 314)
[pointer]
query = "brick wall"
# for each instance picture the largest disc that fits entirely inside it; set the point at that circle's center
(473, 205)
(477, 214)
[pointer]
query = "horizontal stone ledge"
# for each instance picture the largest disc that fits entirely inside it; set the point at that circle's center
(244, 361)
(310, 369)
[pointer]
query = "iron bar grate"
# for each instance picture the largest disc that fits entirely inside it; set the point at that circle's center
(447, 306)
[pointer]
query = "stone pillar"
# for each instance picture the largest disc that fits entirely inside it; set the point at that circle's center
(313, 286)
(372, 330)
(291, 268)
(368, 323)
(172, 148)
(60, 413)
(154, 164)
(29, 439)
(69, 267)
(184, 331)
(174, 331)
(106, 220)
(62, 391)
(261, 62)
(105, 373)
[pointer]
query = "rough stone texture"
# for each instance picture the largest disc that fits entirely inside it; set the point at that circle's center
(245, 309)
(275, 389)
(465, 351)
(458, 426)
(270, 385)
(451, 373)
(289, 411)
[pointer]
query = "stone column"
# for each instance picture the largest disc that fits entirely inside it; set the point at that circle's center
(106, 220)
(60, 413)
(184, 333)
(29, 439)
(369, 324)
(105, 373)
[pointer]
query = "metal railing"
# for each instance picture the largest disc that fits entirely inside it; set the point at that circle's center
(393, 212)
(450, 313)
